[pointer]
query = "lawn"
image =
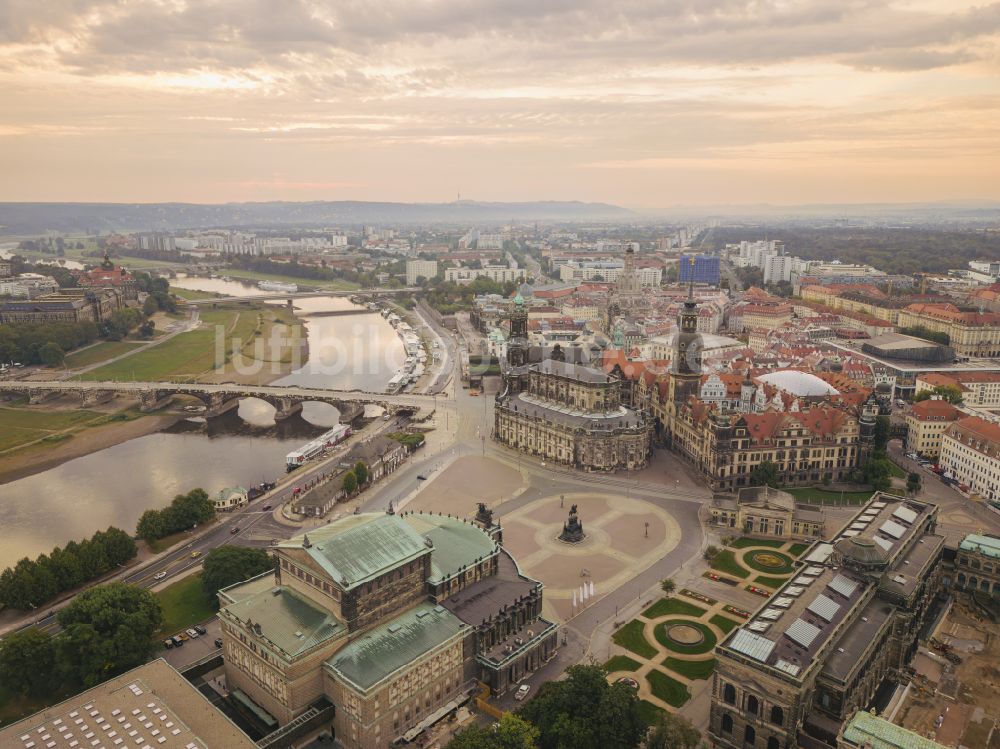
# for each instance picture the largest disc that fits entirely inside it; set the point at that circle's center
(191, 293)
(725, 561)
(184, 604)
(745, 542)
(895, 471)
(19, 426)
(672, 606)
(691, 669)
(631, 638)
(828, 497)
(785, 568)
(667, 688)
(622, 663)
(770, 582)
(649, 712)
(705, 646)
(336, 284)
(99, 352)
(796, 550)
(724, 623)
(188, 355)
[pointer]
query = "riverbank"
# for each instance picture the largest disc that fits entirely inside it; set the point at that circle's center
(82, 439)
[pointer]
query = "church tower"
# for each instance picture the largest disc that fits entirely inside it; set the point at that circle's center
(517, 346)
(866, 427)
(685, 369)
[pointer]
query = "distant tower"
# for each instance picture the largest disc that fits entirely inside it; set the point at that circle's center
(517, 345)
(106, 264)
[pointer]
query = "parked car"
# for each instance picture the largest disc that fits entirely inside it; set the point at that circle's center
(218, 642)
(168, 643)
(200, 629)
(192, 633)
(266, 507)
(522, 692)
(178, 642)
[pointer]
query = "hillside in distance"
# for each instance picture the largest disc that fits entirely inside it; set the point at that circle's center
(35, 218)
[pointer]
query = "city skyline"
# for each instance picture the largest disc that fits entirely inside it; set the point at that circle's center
(648, 107)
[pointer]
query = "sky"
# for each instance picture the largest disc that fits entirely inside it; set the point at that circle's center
(647, 104)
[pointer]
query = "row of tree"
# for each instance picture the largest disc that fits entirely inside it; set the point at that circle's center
(46, 342)
(583, 711)
(184, 512)
(449, 297)
(32, 582)
(919, 331)
(107, 630)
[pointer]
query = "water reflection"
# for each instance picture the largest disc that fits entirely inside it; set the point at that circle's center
(115, 486)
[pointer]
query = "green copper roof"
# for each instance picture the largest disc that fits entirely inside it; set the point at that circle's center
(457, 544)
(987, 545)
(287, 619)
(394, 645)
(883, 735)
(358, 548)
(519, 299)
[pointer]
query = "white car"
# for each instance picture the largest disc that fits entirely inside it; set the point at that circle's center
(522, 692)
(192, 633)
(159, 575)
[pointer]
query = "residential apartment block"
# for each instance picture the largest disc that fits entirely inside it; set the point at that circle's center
(970, 452)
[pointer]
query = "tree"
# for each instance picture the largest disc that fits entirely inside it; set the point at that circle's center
(948, 392)
(764, 474)
(672, 732)
(878, 473)
(511, 732)
(882, 428)
(349, 483)
(583, 711)
(913, 483)
(108, 630)
(27, 660)
(361, 472)
(711, 552)
(150, 526)
(147, 329)
(51, 354)
(668, 586)
(228, 565)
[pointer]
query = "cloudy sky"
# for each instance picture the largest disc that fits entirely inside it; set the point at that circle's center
(644, 103)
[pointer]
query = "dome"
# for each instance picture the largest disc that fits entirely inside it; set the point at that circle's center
(798, 383)
(862, 551)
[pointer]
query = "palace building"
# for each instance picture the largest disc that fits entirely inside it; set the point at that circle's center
(392, 619)
(821, 647)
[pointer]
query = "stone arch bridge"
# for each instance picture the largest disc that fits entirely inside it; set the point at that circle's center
(219, 398)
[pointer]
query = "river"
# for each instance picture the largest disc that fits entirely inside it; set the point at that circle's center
(116, 485)
(346, 352)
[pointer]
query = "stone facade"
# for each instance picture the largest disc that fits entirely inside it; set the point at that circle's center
(572, 415)
(819, 649)
(390, 618)
(763, 512)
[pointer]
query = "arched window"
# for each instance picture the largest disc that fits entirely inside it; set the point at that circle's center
(777, 715)
(729, 694)
(753, 705)
(749, 735)
(727, 723)
(772, 743)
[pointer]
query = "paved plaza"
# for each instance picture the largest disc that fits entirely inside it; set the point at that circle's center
(624, 535)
